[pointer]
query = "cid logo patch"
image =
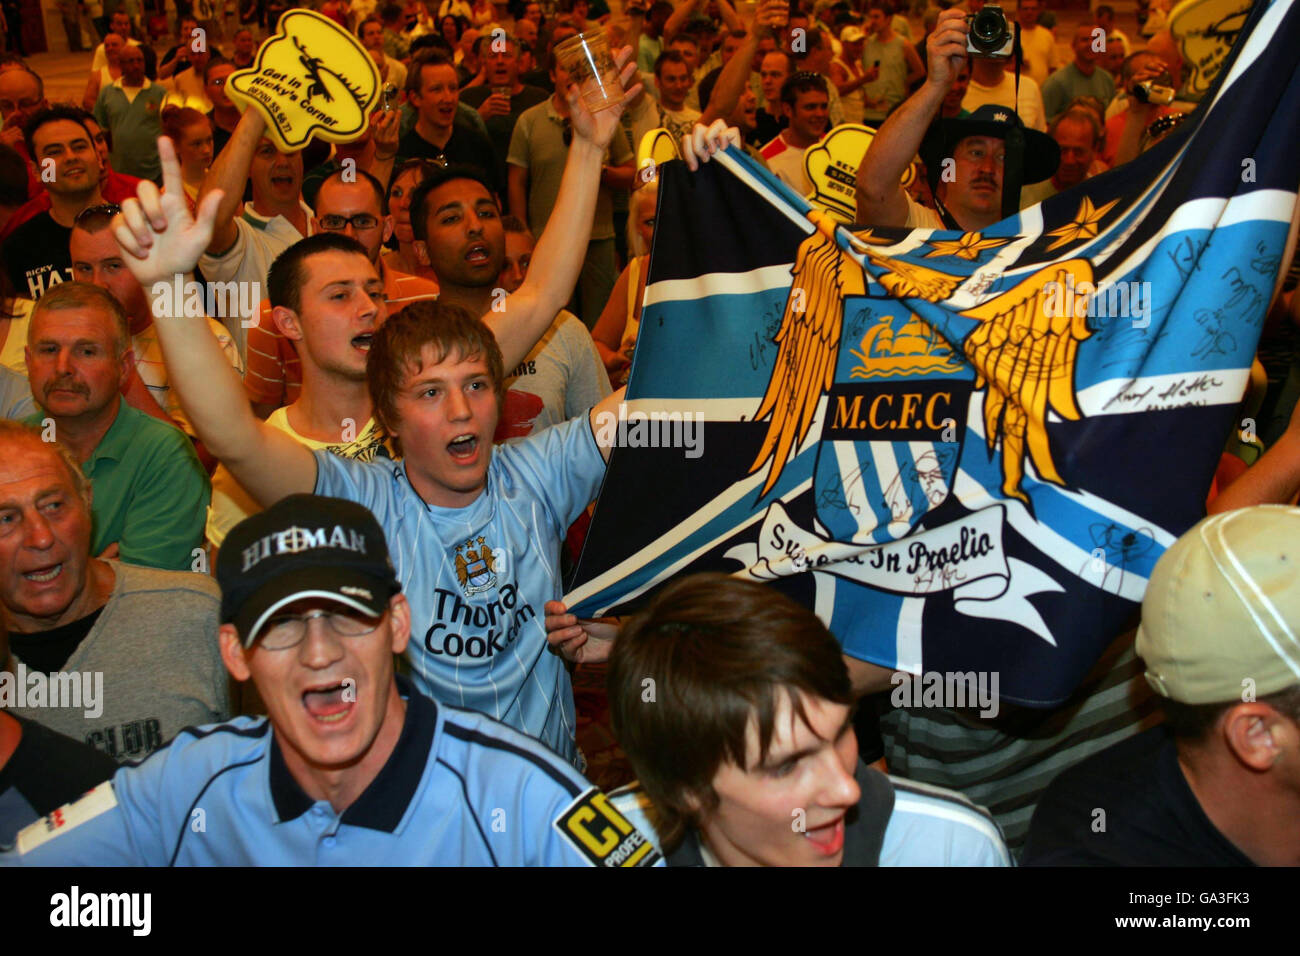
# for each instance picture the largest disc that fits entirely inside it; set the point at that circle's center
(603, 835)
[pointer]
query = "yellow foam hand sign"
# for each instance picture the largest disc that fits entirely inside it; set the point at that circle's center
(1205, 31)
(832, 167)
(311, 78)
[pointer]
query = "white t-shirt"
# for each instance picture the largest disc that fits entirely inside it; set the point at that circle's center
(1030, 103)
(786, 162)
(153, 372)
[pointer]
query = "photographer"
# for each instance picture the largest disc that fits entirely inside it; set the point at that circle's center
(1147, 91)
(970, 195)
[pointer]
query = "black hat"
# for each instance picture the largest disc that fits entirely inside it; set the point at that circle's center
(1042, 154)
(303, 546)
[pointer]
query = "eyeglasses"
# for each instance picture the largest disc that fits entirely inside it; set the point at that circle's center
(287, 631)
(99, 209)
(362, 220)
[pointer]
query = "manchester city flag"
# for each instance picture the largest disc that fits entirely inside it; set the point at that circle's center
(964, 451)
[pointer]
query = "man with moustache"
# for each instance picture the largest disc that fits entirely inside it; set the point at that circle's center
(150, 489)
(972, 199)
(97, 259)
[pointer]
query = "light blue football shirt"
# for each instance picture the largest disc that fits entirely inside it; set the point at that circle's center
(459, 790)
(477, 577)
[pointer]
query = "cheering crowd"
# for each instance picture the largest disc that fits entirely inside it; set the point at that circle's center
(298, 549)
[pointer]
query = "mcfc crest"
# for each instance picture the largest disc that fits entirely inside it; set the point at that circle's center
(895, 420)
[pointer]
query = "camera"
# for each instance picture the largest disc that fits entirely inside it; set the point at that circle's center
(1157, 92)
(989, 34)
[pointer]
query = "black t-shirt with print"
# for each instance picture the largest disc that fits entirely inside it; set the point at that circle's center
(36, 254)
(467, 145)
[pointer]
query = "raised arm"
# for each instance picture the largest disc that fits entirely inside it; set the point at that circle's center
(1273, 480)
(91, 96)
(730, 18)
(562, 246)
(228, 174)
(881, 199)
(385, 127)
(685, 10)
(160, 241)
(771, 15)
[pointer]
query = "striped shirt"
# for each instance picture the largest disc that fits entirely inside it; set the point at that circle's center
(1006, 767)
(153, 370)
(274, 375)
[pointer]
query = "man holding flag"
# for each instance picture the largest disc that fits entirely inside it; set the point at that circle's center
(965, 450)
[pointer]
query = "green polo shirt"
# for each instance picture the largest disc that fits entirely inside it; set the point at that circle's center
(151, 494)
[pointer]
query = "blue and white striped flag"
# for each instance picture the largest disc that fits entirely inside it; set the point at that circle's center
(965, 452)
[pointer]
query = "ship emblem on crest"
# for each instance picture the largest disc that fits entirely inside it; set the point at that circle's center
(475, 566)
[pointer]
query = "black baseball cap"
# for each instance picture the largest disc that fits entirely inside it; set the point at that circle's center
(303, 546)
(1042, 154)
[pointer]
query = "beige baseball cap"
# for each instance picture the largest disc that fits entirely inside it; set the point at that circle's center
(1223, 607)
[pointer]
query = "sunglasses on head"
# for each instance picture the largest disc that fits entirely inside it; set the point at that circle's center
(103, 208)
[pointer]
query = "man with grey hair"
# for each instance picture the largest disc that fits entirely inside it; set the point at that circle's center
(151, 492)
(118, 656)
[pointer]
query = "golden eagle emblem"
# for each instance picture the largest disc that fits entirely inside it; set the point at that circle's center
(1024, 354)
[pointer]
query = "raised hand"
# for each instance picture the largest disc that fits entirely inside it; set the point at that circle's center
(385, 126)
(159, 237)
(599, 128)
(946, 47)
(702, 142)
(583, 642)
(772, 15)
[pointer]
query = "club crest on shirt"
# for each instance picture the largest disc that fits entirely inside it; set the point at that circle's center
(476, 565)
